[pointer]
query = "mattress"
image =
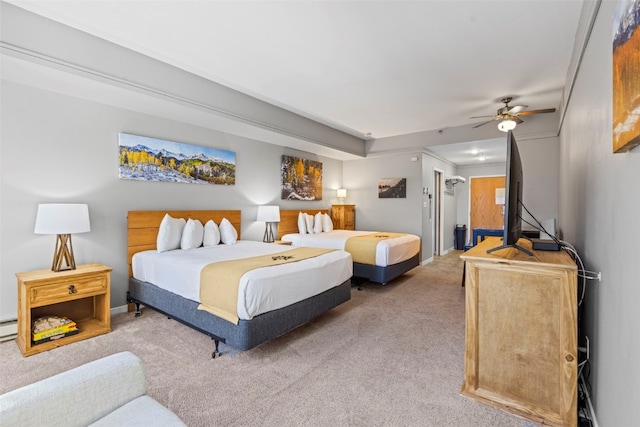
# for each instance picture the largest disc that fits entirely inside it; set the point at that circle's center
(260, 290)
(388, 251)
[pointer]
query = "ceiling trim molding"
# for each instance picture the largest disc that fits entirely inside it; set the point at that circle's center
(588, 16)
(440, 159)
(42, 59)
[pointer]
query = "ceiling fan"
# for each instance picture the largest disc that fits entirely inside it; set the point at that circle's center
(509, 115)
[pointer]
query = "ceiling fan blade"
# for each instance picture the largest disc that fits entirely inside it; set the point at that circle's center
(516, 109)
(481, 117)
(478, 125)
(517, 120)
(528, 113)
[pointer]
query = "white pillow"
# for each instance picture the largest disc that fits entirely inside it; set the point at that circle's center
(228, 233)
(169, 233)
(309, 220)
(327, 224)
(211, 234)
(302, 223)
(317, 223)
(192, 235)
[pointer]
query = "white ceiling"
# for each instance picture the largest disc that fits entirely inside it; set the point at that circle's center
(381, 67)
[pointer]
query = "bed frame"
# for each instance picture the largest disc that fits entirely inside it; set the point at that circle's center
(142, 232)
(361, 272)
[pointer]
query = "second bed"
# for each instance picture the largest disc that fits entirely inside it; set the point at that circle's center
(393, 256)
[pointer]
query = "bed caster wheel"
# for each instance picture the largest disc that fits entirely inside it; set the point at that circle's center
(215, 355)
(137, 314)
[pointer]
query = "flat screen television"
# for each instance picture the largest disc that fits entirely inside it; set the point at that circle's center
(513, 199)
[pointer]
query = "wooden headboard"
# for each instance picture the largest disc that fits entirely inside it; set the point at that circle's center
(143, 226)
(289, 220)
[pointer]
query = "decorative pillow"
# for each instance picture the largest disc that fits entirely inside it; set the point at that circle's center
(192, 235)
(327, 224)
(169, 233)
(228, 233)
(302, 223)
(309, 220)
(317, 223)
(211, 234)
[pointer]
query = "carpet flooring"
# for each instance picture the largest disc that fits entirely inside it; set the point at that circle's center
(391, 356)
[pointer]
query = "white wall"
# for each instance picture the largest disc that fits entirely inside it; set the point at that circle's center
(360, 178)
(599, 211)
(56, 148)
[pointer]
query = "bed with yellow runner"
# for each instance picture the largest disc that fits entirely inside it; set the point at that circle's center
(377, 256)
(274, 288)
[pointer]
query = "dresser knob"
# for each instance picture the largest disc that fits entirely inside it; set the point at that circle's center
(72, 289)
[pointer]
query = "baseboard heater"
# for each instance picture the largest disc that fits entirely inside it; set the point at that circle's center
(8, 330)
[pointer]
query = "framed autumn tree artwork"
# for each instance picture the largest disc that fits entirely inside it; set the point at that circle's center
(301, 178)
(626, 76)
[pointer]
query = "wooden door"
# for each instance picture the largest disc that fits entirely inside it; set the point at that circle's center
(484, 212)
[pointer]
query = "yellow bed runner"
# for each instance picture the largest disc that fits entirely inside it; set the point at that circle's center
(363, 248)
(219, 281)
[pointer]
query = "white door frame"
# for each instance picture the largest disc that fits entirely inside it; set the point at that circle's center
(438, 211)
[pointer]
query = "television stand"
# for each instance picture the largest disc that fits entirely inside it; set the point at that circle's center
(518, 247)
(521, 326)
(515, 246)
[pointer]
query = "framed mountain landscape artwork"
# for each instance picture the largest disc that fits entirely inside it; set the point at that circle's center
(150, 159)
(626, 76)
(392, 188)
(301, 179)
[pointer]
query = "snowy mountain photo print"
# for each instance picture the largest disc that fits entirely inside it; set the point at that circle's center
(149, 159)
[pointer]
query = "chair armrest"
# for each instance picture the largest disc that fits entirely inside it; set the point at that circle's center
(76, 397)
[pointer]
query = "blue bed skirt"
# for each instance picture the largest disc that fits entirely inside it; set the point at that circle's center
(247, 333)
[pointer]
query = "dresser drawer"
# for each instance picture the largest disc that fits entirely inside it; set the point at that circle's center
(68, 289)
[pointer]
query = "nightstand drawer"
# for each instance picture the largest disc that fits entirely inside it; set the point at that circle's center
(68, 289)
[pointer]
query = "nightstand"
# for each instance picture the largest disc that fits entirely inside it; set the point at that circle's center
(343, 217)
(82, 295)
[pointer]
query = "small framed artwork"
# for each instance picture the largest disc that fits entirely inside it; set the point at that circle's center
(392, 188)
(626, 76)
(301, 179)
(150, 159)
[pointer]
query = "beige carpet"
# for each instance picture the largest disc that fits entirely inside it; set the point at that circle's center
(391, 356)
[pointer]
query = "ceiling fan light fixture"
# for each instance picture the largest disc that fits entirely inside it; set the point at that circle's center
(506, 125)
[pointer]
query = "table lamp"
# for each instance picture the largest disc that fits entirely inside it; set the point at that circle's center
(342, 194)
(62, 219)
(268, 214)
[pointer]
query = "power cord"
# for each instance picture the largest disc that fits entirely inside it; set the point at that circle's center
(584, 367)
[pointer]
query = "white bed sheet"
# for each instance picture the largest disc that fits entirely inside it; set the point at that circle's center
(260, 290)
(388, 251)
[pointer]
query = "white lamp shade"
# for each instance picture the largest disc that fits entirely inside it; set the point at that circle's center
(342, 193)
(62, 218)
(268, 213)
(507, 125)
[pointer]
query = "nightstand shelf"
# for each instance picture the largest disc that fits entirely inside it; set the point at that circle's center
(82, 295)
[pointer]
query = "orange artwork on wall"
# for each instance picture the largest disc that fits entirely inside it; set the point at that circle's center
(626, 76)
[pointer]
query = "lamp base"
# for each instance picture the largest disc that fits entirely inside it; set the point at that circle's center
(268, 233)
(63, 252)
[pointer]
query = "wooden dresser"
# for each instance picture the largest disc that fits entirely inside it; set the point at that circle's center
(521, 332)
(82, 295)
(343, 217)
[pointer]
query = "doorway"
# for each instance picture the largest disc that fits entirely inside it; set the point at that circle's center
(437, 212)
(485, 211)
